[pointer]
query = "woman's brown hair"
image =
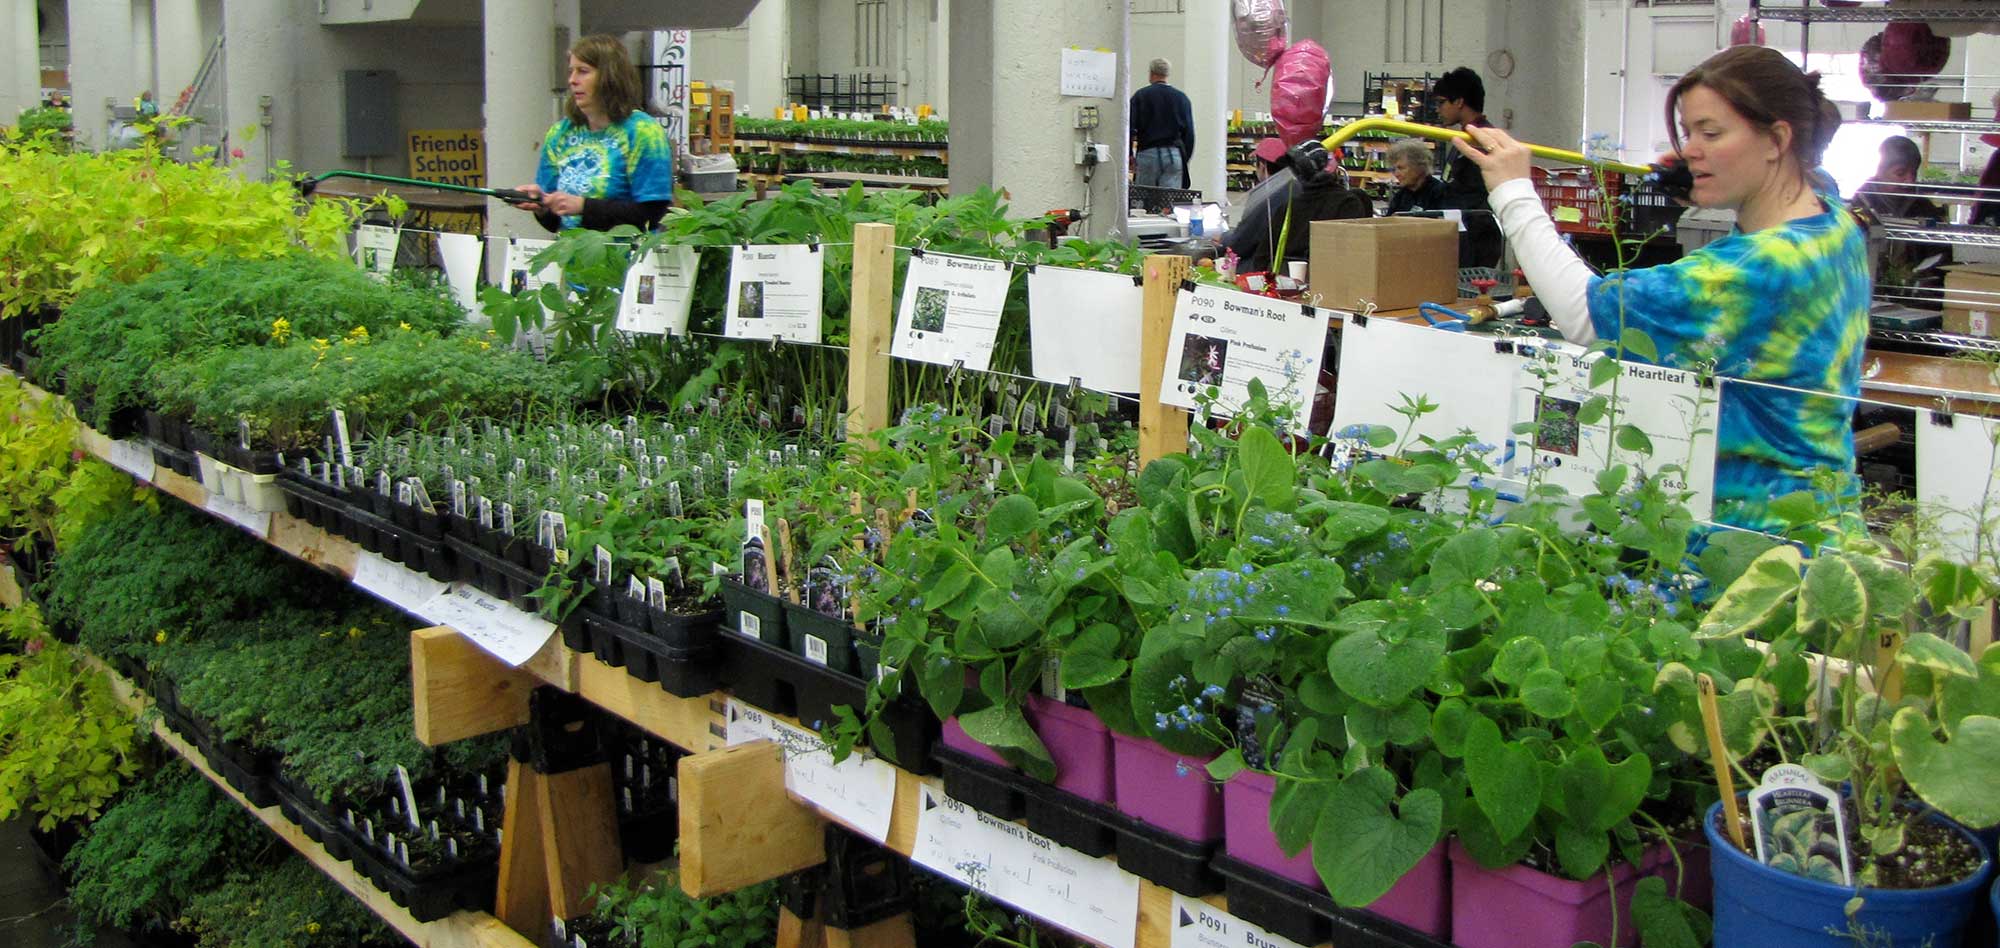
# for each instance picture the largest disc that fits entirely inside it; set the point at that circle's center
(1766, 88)
(618, 85)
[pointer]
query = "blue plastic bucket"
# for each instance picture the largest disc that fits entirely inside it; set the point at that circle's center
(1758, 906)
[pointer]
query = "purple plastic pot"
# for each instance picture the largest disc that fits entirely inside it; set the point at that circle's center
(1422, 898)
(1167, 790)
(1520, 907)
(956, 739)
(1079, 743)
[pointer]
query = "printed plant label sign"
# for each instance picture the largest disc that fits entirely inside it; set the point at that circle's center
(1222, 339)
(659, 289)
(774, 293)
(375, 249)
(951, 310)
(1573, 441)
(1799, 825)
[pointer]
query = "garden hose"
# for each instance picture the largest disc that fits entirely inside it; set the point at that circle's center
(308, 185)
(1351, 129)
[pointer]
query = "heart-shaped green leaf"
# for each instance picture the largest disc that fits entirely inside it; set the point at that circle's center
(1268, 470)
(1832, 595)
(1764, 588)
(1956, 777)
(1505, 780)
(1367, 666)
(1521, 655)
(1929, 651)
(1367, 839)
(1546, 692)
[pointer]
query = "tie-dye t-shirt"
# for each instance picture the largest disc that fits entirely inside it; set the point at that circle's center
(628, 161)
(1786, 305)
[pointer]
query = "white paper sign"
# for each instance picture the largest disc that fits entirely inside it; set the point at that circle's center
(860, 791)
(1955, 478)
(1660, 401)
(1091, 72)
(1084, 324)
(1223, 338)
(774, 292)
(951, 310)
(1197, 924)
(461, 253)
(375, 249)
(1382, 360)
(522, 276)
(395, 584)
(131, 456)
(508, 633)
(1090, 897)
(240, 514)
(659, 288)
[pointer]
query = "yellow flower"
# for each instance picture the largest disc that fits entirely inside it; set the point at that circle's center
(281, 330)
(312, 928)
(403, 326)
(353, 632)
(358, 335)
(160, 637)
(484, 345)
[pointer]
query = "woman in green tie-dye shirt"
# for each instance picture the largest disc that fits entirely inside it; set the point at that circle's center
(1781, 300)
(606, 162)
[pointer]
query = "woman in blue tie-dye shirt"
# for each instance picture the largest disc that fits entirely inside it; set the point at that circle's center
(606, 162)
(1783, 299)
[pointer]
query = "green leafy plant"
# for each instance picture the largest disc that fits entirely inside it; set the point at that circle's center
(164, 842)
(65, 742)
(656, 913)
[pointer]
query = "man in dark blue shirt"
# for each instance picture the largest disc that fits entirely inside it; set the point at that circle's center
(1163, 130)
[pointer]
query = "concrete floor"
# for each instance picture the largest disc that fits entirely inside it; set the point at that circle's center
(33, 913)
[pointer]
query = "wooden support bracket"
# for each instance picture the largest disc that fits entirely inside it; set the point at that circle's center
(796, 932)
(738, 826)
(461, 690)
(559, 837)
(1163, 430)
(872, 325)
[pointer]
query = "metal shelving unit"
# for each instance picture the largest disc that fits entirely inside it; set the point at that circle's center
(1812, 14)
(1938, 126)
(1939, 339)
(1956, 234)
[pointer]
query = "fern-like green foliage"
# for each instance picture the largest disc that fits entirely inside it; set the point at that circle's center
(656, 913)
(163, 843)
(290, 904)
(112, 342)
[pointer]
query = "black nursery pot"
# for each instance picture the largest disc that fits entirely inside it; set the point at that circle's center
(630, 610)
(539, 558)
(753, 607)
(684, 632)
(821, 639)
(464, 528)
(429, 525)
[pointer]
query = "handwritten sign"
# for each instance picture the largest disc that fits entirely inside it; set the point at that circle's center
(1090, 897)
(1197, 924)
(131, 456)
(860, 791)
(240, 514)
(399, 586)
(1090, 72)
(511, 635)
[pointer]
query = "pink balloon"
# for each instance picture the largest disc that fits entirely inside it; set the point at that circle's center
(1301, 86)
(1262, 29)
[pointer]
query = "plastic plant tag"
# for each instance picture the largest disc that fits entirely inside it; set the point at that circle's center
(602, 558)
(656, 591)
(1052, 679)
(1800, 826)
(340, 434)
(485, 509)
(506, 518)
(636, 589)
(409, 798)
(674, 505)
(382, 485)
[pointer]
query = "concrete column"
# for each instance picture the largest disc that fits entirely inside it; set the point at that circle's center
(1034, 139)
(259, 88)
(968, 31)
(142, 49)
(520, 58)
(178, 48)
(100, 64)
(1203, 74)
(20, 60)
(769, 53)
(938, 46)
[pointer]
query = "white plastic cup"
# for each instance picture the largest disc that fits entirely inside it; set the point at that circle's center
(1296, 269)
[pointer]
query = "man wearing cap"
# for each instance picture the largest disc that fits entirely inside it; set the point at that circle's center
(1163, 131)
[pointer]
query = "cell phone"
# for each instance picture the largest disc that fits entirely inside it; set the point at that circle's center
(1674, 180)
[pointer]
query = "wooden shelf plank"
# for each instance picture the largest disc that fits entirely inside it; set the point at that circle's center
(459, 930)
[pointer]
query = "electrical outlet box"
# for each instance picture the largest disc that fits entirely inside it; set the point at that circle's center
(1086, 116)
(1093, 153)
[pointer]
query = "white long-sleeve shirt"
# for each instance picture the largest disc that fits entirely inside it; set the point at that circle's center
(1561, 280)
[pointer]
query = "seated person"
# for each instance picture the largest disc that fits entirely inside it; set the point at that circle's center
(1298, 182)
(1909, 269)
(1417, 189)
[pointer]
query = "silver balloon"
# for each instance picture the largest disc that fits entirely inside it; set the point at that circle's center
(1262, 29)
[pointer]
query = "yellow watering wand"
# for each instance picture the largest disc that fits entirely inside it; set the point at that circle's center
(1377, 124)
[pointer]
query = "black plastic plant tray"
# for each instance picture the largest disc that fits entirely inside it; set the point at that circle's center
(1306, 915)
(991, 790)
(683, 673)
(772, 678)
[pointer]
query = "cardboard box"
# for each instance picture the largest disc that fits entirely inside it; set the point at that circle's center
(1927, 111)
(1395, 262)
(1972, 299)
